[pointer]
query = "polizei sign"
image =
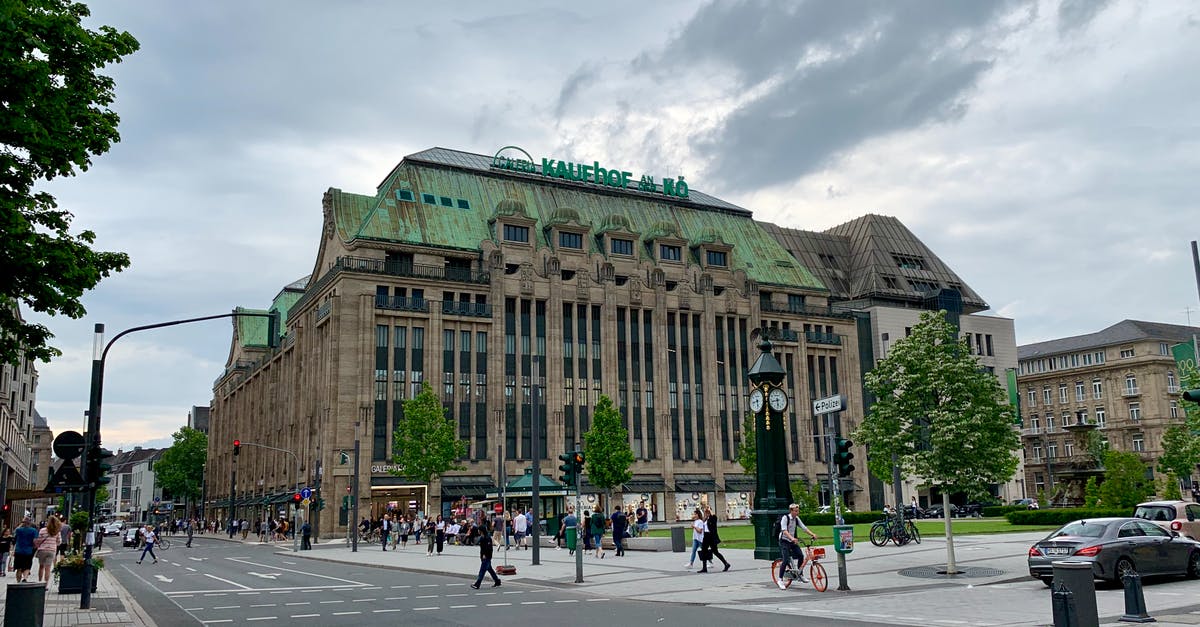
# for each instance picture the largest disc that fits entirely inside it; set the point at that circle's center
(592, 173)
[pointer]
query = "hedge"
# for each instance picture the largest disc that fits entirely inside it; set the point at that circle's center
(996, 511)
(851, 518)
(1063, 516)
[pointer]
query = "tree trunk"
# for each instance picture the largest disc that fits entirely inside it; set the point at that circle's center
(951, 569)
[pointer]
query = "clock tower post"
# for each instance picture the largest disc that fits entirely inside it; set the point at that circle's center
(773, 493)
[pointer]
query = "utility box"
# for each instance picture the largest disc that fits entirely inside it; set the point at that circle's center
(25, 604)
(678, 545)
(843, 538)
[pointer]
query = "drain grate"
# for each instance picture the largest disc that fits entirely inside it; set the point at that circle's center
(931, 572)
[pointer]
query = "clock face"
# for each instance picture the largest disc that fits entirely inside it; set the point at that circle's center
(778, 399)
(756, 400)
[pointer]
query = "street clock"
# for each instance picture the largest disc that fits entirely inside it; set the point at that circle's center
(756, 400)
(778, 399)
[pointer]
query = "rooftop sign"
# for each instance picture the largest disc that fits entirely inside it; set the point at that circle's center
(586, 173)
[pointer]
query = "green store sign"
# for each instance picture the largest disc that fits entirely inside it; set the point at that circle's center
(587, 173)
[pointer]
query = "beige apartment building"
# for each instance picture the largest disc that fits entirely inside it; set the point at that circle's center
(1121, 383)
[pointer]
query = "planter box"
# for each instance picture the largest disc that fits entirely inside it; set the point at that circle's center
(70, 580)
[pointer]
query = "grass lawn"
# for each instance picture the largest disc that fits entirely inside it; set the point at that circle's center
(742, 536)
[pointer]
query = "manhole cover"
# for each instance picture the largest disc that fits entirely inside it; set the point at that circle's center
(931, 572)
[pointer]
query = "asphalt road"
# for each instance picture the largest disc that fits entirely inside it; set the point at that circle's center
(220, 583)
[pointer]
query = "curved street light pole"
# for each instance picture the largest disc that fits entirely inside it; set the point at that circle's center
(91, 439)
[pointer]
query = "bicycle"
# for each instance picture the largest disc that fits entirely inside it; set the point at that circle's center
(162, 543)
(888, 529)
(816, 572)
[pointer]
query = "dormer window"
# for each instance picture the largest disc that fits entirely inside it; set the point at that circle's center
(718, 258)
(570, 240)
(622, 247)
(513, 233)
(667, 252)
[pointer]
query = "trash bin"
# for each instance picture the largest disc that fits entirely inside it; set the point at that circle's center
(572, 537)
(678, 545)
(1078, 578)
(25, 604)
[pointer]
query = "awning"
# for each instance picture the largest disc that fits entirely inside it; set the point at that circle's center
(695, 483)
(740, 483)
(467, 485)
(645, 483)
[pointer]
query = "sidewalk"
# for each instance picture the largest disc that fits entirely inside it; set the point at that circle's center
(110, 603)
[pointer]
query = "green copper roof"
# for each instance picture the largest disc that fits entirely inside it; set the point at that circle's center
(390, 217)
(252, 330)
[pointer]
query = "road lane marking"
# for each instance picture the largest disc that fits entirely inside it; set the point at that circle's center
(362, 600)
(242, 594)
(296, 571)
(338, 601)
(190, 568)
(282, 591)
(192, 609)
(394, 598)
(423, 609)
(598, 599)
(533, 602)
(213, 622)
(401, 609)
(264, 605)
(498, 604)
(232, 583)
(398, 587)
(305, 615)
(430, 585)
(263, 618)
(426, 596)
(298, 603)
(215, 594)
(287, 562)
(163, 579)
(374, 588)
(460, 594)
(458, 607)
(568, 601)
(226, 607)
(347, 613)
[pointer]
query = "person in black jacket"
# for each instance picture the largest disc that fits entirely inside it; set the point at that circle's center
(711, 540)
(485, 561)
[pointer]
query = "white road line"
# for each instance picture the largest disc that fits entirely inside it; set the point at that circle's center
(480, 594)
(263, 605)
(533, 602)
(422, 609)
(346, 613)
(190, 568)
(568, 601)
(212, 622)
(362, 600)
(398, 587)
(394, 598)
(339, 601)
(459, 607)
(242, 594)
(305, 615)
(282, 591)
(461, 594)
(192, 609)
(598, 599)
(374, 588)
(292, 570)
(176, 564)
(215, 594)
(184, 596)
(430, 585)
(401, 609)
(298, 603)
(262, 618)
(232, 583)
(427, 596)
(310, 591)
(287, 562)
(497, 604)
(513, 592)
(226, 607)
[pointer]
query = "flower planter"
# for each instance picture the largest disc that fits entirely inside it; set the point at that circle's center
(70, 580)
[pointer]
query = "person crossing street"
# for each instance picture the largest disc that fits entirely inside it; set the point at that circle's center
(151, 538)
(485, 562)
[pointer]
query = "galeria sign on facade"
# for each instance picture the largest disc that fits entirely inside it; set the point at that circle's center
(587, 173)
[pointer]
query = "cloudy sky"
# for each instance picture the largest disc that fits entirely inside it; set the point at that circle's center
(1047, 151)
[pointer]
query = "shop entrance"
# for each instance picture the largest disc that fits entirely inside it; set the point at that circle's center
(405, 500)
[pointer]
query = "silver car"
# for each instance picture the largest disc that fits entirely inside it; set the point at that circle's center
(1115, 546)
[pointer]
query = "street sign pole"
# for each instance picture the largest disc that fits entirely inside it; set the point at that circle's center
(578, 529)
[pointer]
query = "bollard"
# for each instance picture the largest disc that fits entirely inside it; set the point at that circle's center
(1078, 577)
(1064, 607)
(1135, 601)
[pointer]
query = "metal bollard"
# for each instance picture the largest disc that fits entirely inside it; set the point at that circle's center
(1064, 607)
(25, 604)
(1135, 601)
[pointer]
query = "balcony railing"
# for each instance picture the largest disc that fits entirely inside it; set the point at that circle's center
(324, 310)
(779, 334)
(1130, 392)
(804, 310)
(401, 303)
(412, 270)
(815, 337)
(1031, 431)
(453, 308)
(1172, 389)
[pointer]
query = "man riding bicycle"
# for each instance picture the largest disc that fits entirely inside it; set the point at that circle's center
(789, 546)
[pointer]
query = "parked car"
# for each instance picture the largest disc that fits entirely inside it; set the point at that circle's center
(974, 509)
(935, 511)
(1180, 516)
(1115, 546)
(132, 536)
(1026, 503)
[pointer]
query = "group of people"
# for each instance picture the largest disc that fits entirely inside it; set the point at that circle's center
(394, 528)
(48, 542)
(705, 540)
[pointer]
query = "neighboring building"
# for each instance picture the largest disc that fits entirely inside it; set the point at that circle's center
(1122, 382)
(498, 284)
(198, 418)
(131, 490)
(18, 393)
(40, 466)
(876, 266)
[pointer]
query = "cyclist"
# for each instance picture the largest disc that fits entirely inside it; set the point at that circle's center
(789, 546)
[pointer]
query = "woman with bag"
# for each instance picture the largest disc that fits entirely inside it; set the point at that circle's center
(710, 542)
(430, 534)
(47, 547)
(440, 529)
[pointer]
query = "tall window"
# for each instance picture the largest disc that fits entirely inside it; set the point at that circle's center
(1131, 386)
(1049, 423)
(1046, 395)
(1062, 392)
(1172, 387)
(1135, 411)
(1097, 389)
(1037, 453)
(1079, 392)
(1139, 444)
(669, 253)
(1035, 424)
(1100, 416)
(513, 233)
(1163, 349)
(1032, 397)
(1052, 450)
(1174, 409)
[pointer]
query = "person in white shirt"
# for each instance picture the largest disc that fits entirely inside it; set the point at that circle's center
(789, 546)
(698, 529)
(520, 526)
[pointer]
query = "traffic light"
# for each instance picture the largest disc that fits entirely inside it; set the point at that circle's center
(7, 508)
(1192, 395)
(237, 447)
(296, 498)
(842, 456)
(99, 462)
(568, 469)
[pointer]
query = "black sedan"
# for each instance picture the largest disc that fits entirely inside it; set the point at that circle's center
(1114, 547)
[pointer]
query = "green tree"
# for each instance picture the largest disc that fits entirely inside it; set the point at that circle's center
(54, 119)
(747, 450)
(608, 455)
(1168, 487)
(943, 417)
(425, 444)
(177, 469)
(1125, 483)
(806, 495)
(1091, 493)
(1180, 444)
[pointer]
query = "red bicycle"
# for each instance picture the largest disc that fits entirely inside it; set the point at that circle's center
(816, 572)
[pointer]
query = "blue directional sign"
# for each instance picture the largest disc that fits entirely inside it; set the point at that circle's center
(306, 493)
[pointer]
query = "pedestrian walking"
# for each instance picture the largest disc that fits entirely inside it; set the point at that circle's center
(385, 527)
(571, 522)
(306, 537)
(405, 529)
(430, 534)
(586, 530)
(440, 530)
(698, 528)
(47, 546)
(711, 540)
(245, 528)
(619, 524)
(23, 548)
(6, 541)
(485, 562)
(520, 526)
(151, 537)
(598, 522)
(191, 529)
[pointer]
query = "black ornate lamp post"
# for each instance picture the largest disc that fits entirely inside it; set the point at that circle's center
(773, 494)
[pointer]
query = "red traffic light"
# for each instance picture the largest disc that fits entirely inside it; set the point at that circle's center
(237, 443)
(296, 497)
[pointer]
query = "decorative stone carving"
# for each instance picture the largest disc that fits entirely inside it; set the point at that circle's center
(327, 210)
(658, 278)
(607, 272)
(496, 260)
(706, 284)
(526, 278)
(554, 266)
(582, 284)
(635, 290)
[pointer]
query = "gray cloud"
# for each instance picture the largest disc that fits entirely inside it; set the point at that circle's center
(1075, 14)
(577, 81)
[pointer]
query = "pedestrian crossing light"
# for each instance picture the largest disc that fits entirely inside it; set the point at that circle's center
(842, 456)
(296, 498)
(99, 464)
(237, 447)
